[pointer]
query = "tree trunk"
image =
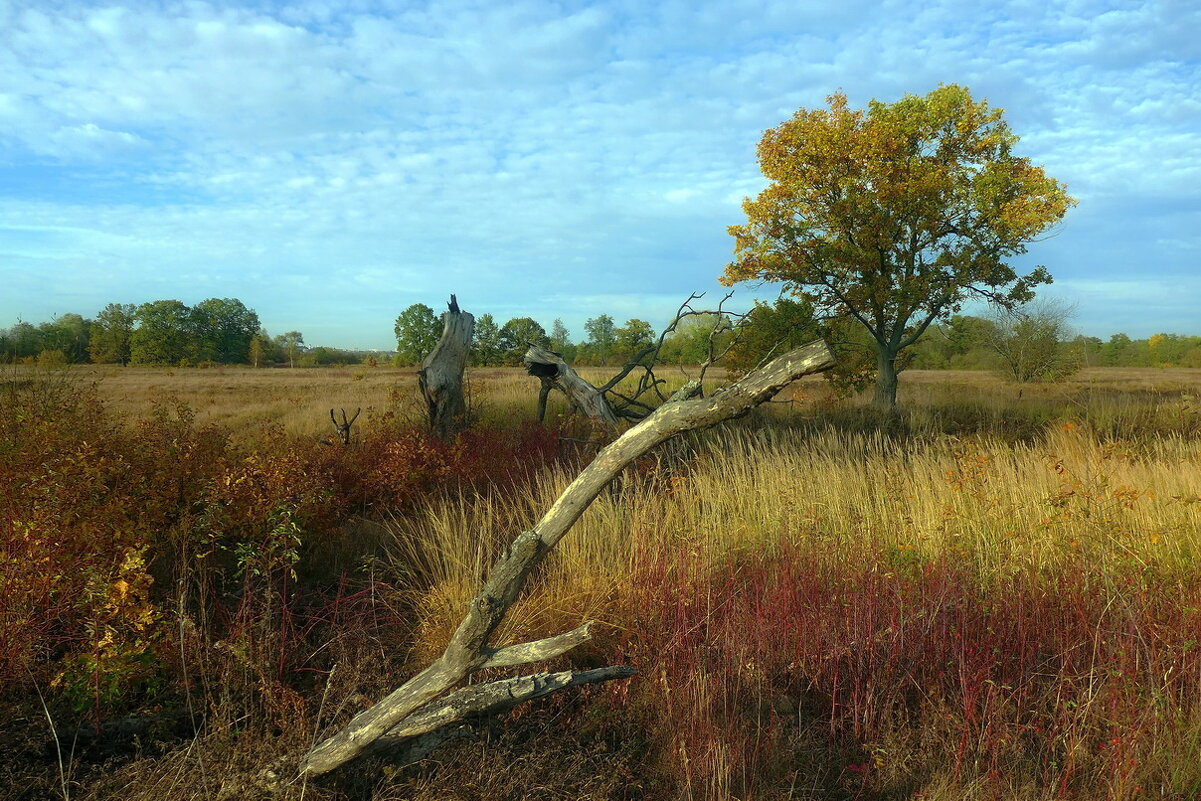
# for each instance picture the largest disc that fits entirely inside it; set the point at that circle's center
(885, 398)
(550, 367)
(440, 376)
(422, 705)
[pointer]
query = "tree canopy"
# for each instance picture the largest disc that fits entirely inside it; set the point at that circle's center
(417, 332)
(517, 335)
(894, 215)
(224, 328)
(111, 331)
(164, 333)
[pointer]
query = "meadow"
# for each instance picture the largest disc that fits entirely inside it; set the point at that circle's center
(994, 596)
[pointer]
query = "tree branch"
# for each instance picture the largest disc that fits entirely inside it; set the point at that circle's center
(480, 700)
(539, 650)
(468, 650)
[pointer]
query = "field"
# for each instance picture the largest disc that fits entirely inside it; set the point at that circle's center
(994, 596)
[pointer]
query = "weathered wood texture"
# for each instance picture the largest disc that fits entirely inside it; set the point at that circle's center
(440, 376)
(486, 699)
(469, 648)
(554, 372)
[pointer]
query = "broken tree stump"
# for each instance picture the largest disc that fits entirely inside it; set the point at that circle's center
(440, 376)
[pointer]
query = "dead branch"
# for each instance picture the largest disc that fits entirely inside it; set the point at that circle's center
(481, 700)
(552, 371)
(605, 404)
(469, 649)
(342, 428)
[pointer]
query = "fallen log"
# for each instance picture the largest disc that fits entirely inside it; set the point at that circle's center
(410, 710)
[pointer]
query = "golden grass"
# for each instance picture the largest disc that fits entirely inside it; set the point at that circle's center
(1008, 507)
(247, 400)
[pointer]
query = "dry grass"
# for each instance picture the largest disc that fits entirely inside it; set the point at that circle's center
(248, 401)
(819, 609)
(1009, 508)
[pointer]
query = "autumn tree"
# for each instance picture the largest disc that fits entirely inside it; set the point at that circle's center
(417, 331)
(894, 215)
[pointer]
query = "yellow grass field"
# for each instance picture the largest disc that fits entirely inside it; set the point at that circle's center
(299, 399)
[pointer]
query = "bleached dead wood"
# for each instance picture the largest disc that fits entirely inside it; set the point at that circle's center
(550, 368)
(440, 376)
(488, 699)
(342, 428)
(400, 715)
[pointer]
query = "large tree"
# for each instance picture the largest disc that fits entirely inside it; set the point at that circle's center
(22, 341)
(1031, 341)
(560, 337)
(417, 331)
(289, 346)
(486, 348)
(630, 339)
(164, 334)
(224, 329)
(602, 337)
(111, 331)
(67, 334)
(894, 215)
(517, 335)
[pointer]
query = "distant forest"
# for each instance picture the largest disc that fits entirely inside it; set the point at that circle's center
(225, 331)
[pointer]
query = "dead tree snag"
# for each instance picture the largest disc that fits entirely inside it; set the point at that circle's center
(427, 702)
(606, 405)
(554, 373)
(342, 428)
(440, 376)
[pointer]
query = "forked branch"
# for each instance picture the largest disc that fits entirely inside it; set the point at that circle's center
(343, 428)
(606, 405)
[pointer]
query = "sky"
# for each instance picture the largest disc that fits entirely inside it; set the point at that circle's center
(330, 163)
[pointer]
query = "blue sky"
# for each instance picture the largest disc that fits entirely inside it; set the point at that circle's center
(330, 163)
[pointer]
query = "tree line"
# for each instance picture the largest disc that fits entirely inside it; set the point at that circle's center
(1034, 345)
(214, 331)
(604, 342)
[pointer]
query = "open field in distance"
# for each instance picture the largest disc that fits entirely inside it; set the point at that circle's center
(245, 399)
